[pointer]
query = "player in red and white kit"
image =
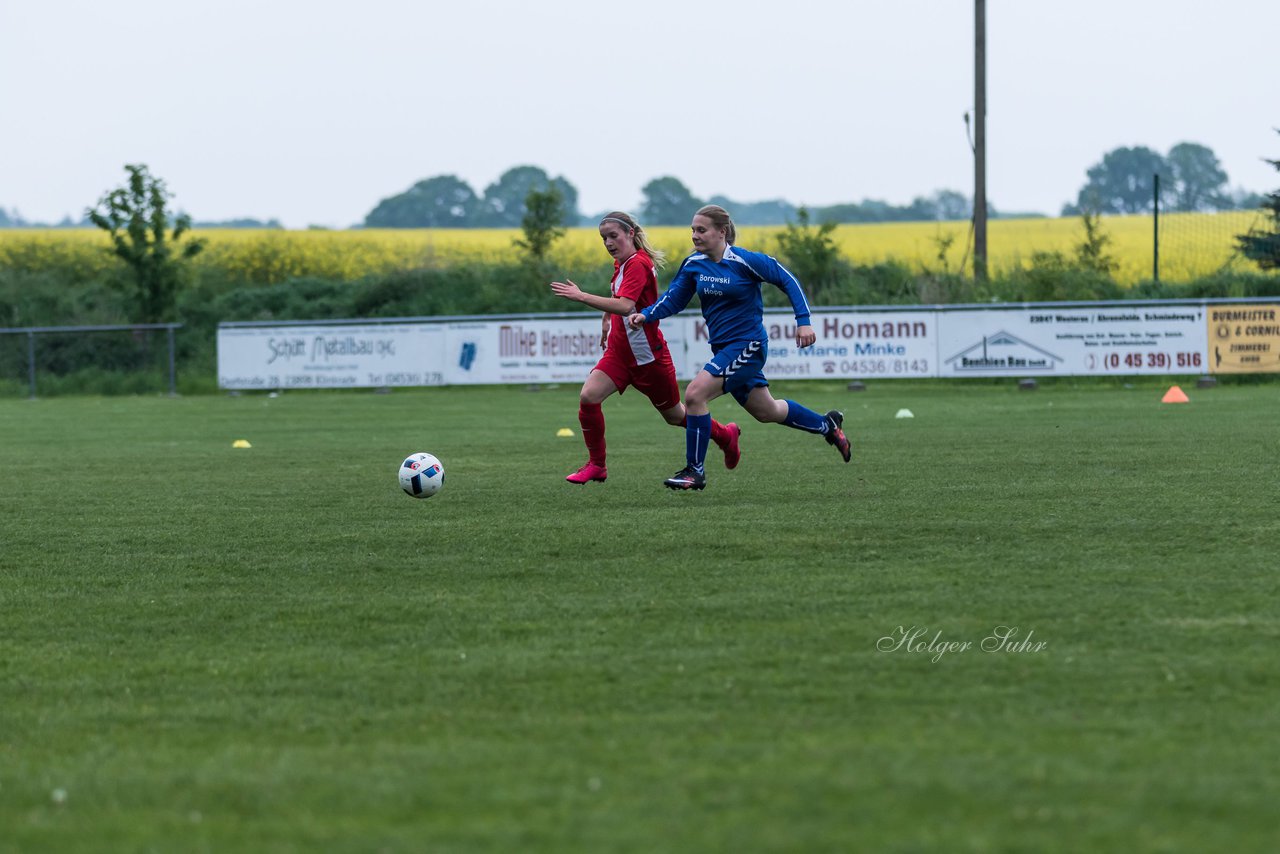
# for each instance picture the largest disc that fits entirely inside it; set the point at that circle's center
(632, 357)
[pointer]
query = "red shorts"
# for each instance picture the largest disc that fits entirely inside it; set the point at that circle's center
(656, 380)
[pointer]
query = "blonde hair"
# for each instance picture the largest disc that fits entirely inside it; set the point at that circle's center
(638, 236)
(720, 219)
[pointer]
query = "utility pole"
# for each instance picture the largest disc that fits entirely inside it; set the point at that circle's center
(980, 141)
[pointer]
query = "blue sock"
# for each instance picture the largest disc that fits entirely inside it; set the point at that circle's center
(805, 419)
(697, 434)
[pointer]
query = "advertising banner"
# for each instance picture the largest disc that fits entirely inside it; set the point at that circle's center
(850, 345)
(522, 350)
(346, 356)
(1077, 339)
(1031, 341)
(1244, 339)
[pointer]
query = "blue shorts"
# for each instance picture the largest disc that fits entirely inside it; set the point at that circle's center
(742, 366)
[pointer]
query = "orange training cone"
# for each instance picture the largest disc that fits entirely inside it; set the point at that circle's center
(1174, 395)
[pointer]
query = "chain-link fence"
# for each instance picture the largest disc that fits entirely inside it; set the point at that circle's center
(137, 358)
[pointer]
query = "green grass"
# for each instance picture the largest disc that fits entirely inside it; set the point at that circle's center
(275, 649)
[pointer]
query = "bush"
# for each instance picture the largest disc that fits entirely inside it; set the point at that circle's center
(42, 298)
(1052, 277)
(1224, 285)
(811, 254)
(297, 299)
(460, 290)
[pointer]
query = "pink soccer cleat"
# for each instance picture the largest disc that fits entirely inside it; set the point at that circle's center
(732, 453)
(590, 471)
(835, 434)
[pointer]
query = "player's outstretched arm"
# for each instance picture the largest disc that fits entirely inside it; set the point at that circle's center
(769, 270)
(612, 305)
(568, 290)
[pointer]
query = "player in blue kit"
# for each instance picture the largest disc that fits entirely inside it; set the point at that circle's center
(727, 280)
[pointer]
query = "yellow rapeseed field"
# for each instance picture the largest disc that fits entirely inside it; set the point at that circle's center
(1191, 245)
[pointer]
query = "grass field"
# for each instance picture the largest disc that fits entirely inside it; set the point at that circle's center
(273, 649)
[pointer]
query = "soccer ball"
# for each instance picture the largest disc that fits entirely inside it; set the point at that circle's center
(421, 475)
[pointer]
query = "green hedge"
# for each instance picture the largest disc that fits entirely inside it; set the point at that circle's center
(129, 365)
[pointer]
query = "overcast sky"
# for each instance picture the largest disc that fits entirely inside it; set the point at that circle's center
(311, 112)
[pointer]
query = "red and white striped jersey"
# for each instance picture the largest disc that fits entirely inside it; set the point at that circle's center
(636, 280)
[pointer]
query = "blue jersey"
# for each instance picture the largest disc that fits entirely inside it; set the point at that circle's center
(730, 294)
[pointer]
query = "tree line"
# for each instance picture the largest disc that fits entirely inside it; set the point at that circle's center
(1124, 181)
(1188, 179)
(1191, 178)
(446, 201)
(13, 219)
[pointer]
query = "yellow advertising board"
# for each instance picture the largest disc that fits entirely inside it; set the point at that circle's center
(1244, 339)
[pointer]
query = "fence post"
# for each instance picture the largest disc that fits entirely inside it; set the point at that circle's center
(31, 362)
(1155, 235)
(173, 383)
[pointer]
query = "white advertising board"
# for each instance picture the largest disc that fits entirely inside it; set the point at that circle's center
(1026, 340)
(1040, 341)
(348, 356)
(850, 345)
(522, 351)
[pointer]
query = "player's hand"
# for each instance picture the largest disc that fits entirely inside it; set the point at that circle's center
(567, 289)
(635, 321)
(805, 336)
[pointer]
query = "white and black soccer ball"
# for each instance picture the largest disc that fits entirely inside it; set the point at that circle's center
(421, 475)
